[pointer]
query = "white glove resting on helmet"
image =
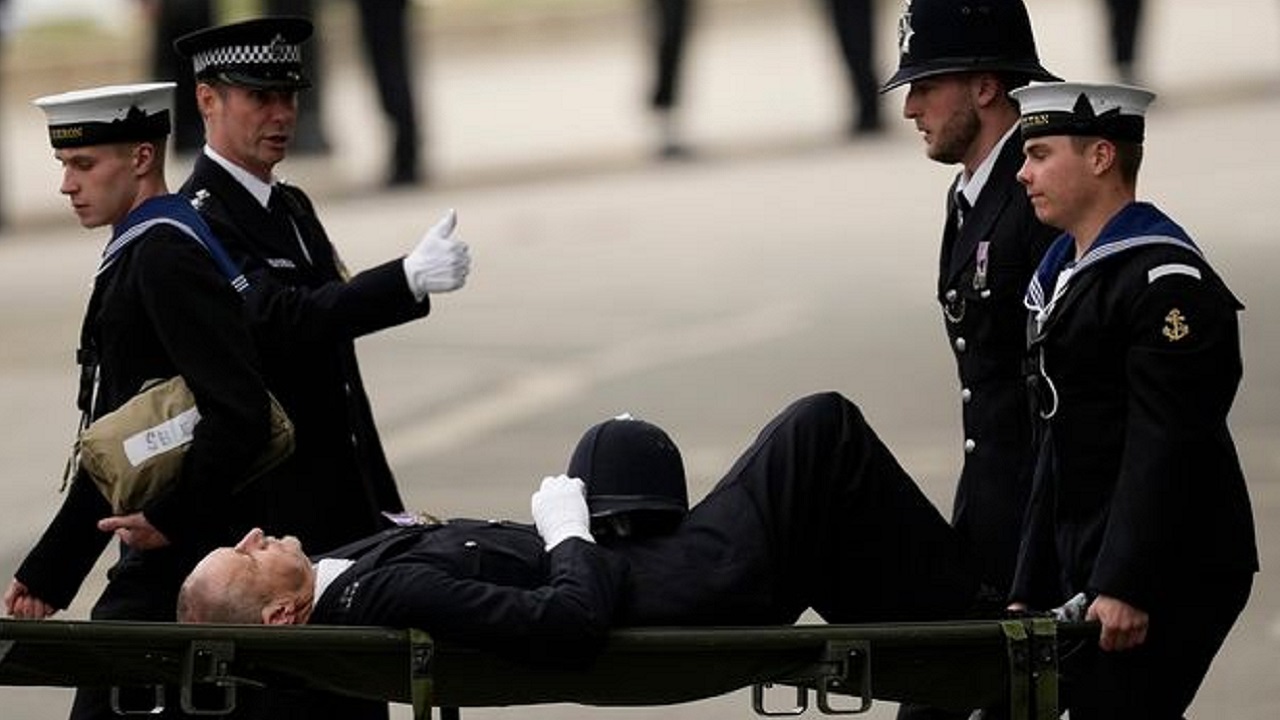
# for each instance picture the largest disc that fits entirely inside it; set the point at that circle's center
(560, 510)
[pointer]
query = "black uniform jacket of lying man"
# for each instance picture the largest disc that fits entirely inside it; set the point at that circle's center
(815, 514)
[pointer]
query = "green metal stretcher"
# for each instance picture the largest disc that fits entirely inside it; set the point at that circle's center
(842, 669)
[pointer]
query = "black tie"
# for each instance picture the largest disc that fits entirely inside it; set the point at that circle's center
(962, 209)
(279, 207)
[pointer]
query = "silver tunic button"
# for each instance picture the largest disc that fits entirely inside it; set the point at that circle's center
(469, 544)
(965, 395)
(969, 446)
(961, 344)
(952, 295)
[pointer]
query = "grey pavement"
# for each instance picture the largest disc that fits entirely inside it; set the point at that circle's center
(701, 295)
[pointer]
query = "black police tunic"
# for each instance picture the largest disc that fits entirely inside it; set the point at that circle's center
(305, 315)
(815, 514)
(983, 274)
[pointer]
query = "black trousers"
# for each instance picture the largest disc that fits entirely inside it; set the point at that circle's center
(854, 23)
(816, 513)
(1124, 19)
(671, 20)
(141, 586)
(1158, 679)
(384, 34)
(174, 19)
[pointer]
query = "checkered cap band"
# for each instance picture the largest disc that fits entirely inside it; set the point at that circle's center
(276, 53)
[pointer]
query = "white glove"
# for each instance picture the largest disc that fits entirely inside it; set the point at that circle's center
(441, 260)
(560, 510)
(1073, 610)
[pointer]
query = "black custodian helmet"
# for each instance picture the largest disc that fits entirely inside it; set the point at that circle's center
(936, 37)
(631, 468)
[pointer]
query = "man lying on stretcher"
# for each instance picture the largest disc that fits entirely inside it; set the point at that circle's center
(816, 513)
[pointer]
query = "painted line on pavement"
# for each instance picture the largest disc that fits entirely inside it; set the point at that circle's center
(535, 392)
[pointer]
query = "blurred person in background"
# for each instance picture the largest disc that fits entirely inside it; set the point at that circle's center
(671, 22)
(854, 22)
(669, 26)
(385, 27)
(1124, 27)
(169, 20)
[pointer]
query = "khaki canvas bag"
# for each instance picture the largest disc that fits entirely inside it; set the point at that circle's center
(135, 451)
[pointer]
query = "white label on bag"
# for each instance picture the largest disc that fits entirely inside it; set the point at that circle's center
(168, 435)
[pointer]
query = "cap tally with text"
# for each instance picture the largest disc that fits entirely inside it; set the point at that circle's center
(262, 53)
(1115, 112)
(108, 114)
(938, 37)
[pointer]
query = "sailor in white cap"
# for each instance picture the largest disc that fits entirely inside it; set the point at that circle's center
(1140, 503)
(114, 122)
(161, 306)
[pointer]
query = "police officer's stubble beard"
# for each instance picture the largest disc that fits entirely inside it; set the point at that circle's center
(952, 141)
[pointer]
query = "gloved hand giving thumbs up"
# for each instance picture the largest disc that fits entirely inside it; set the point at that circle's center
(441, 260)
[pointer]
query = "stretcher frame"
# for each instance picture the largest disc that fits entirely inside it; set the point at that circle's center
(843, 668)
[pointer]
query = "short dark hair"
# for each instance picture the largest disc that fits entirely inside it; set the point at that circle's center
(1128, 155)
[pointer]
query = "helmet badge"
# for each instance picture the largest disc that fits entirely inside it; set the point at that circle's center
(905, 31)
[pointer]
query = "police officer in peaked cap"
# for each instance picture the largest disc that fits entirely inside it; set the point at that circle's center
(262, 53)
(959, 59)
(306, 310)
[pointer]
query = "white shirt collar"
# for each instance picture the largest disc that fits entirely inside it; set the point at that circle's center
(261, 191)
(972, 185)
(328, 570)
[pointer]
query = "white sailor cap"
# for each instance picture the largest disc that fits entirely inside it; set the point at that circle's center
(109, 114)
(263, 53)
(1115, 112)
